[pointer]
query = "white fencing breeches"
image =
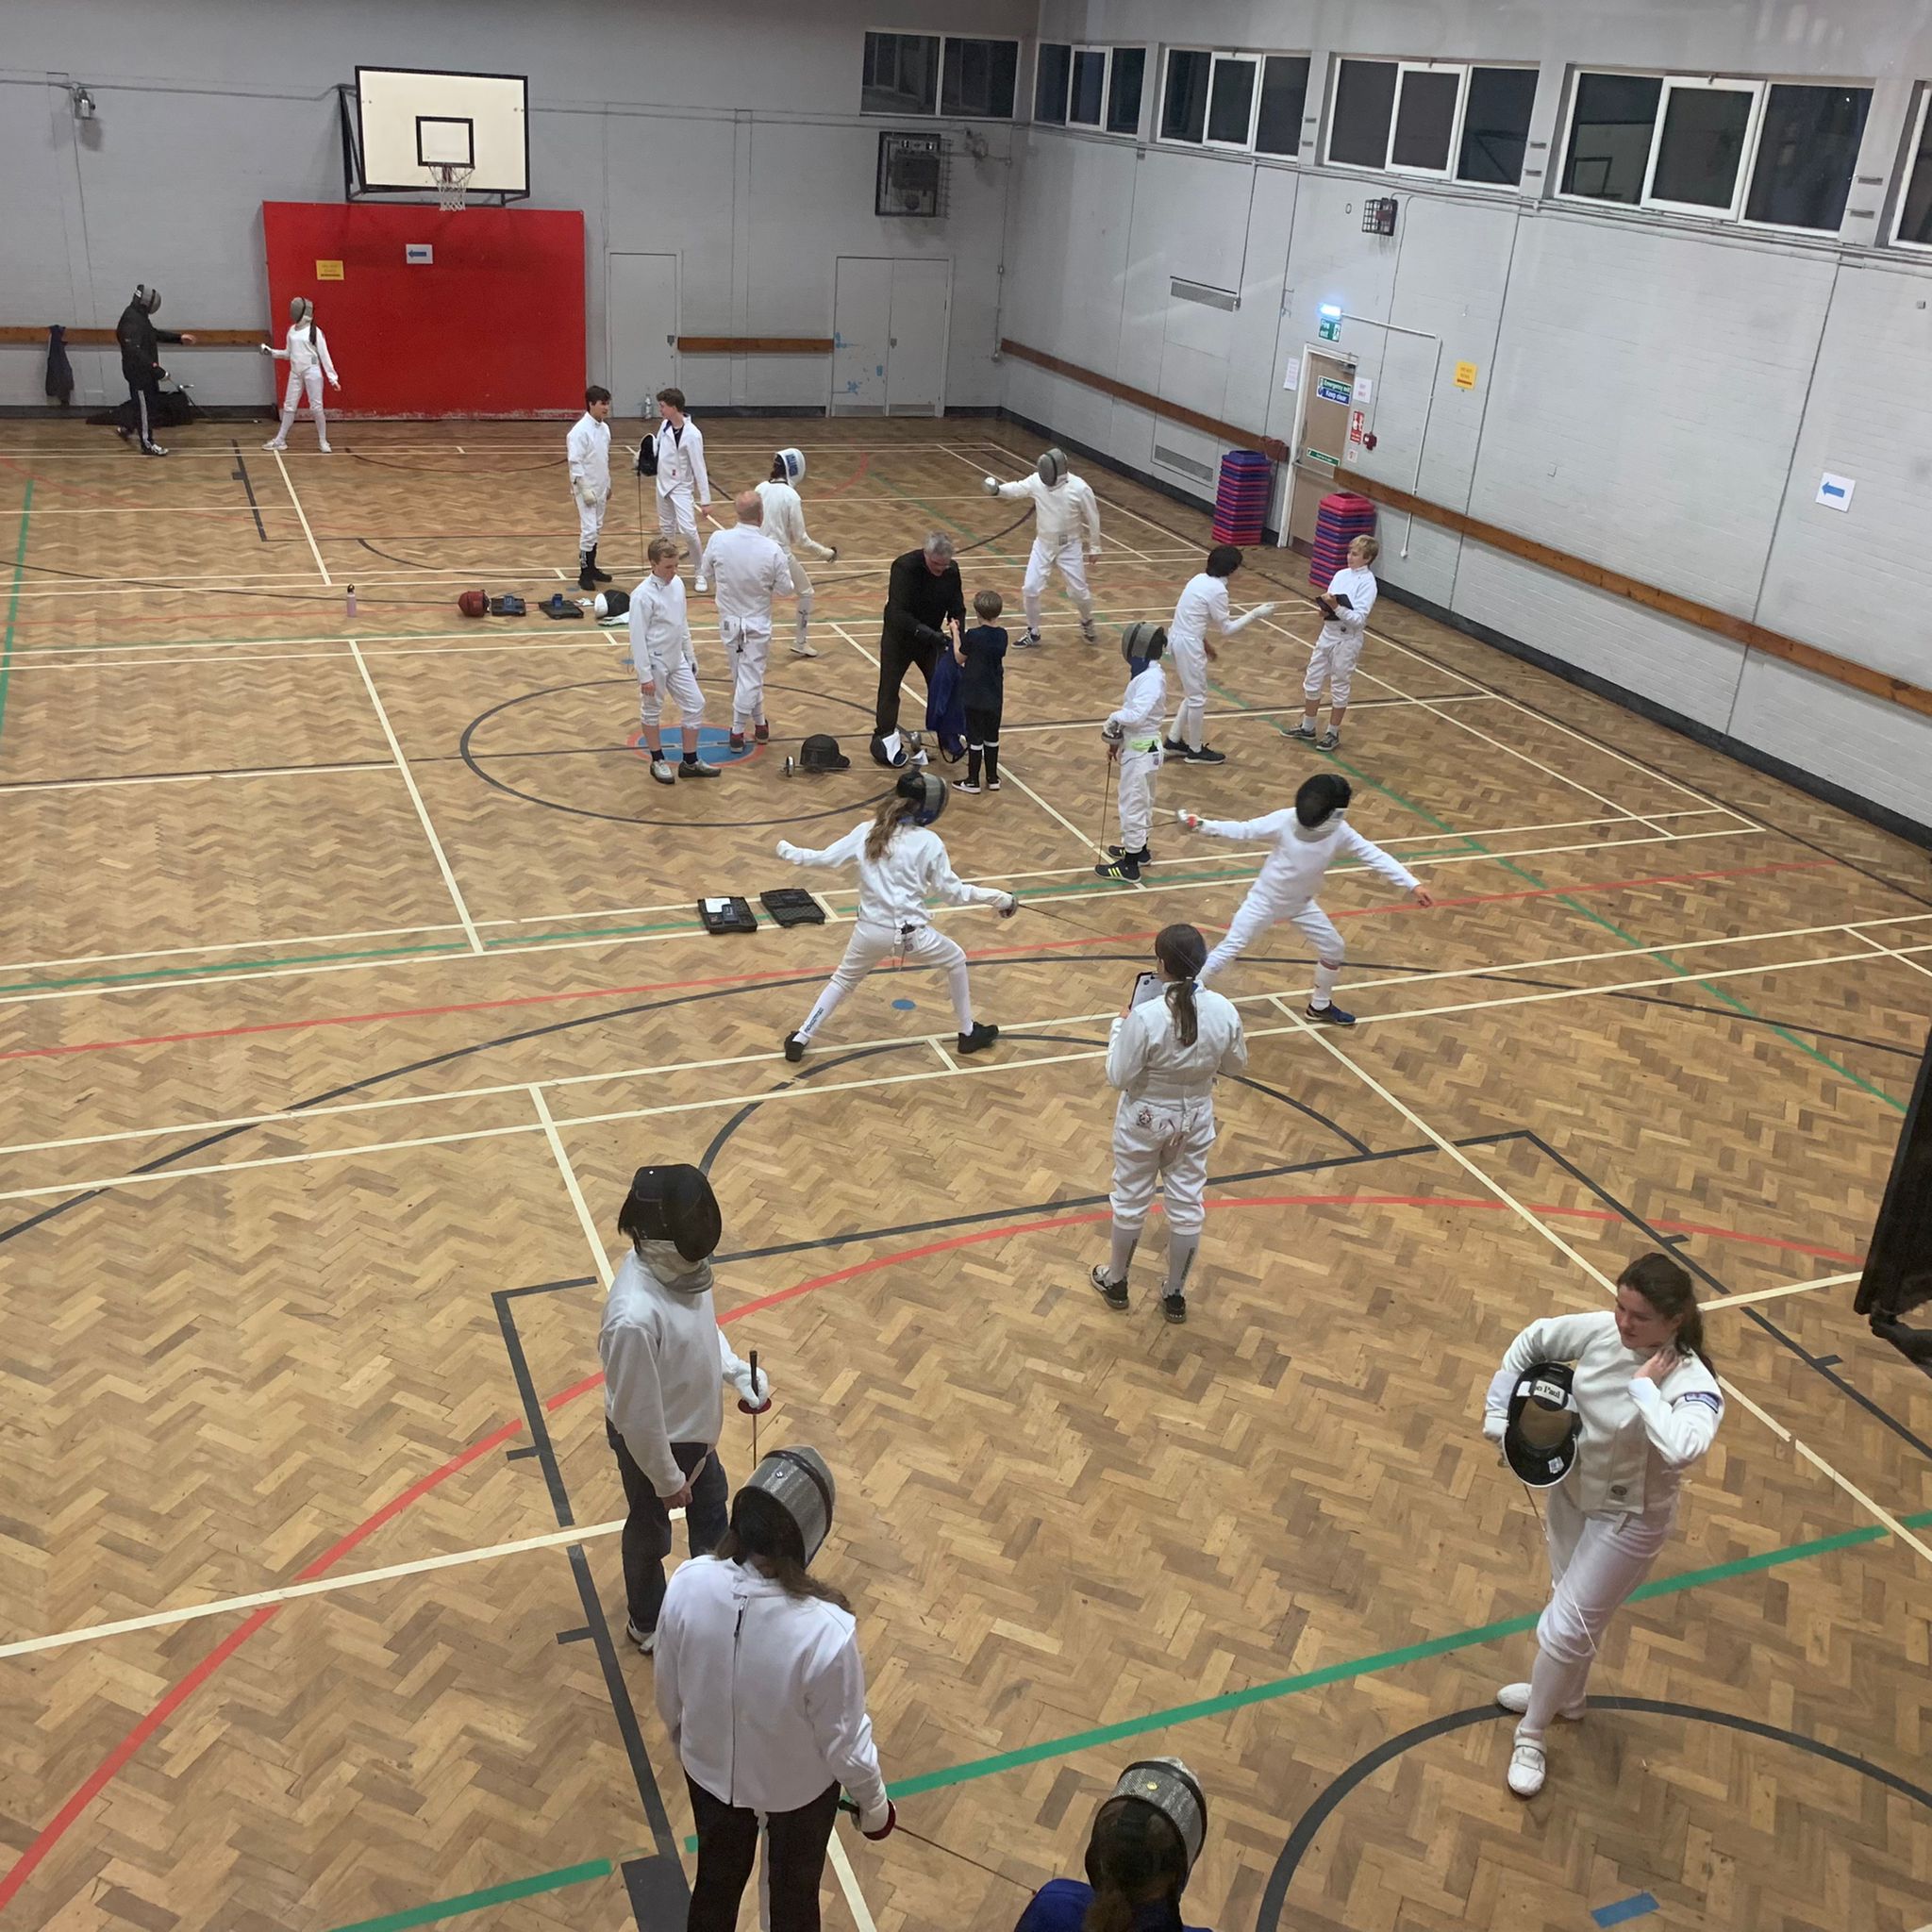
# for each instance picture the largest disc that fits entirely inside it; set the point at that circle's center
(871, 944)
(1191, 722)
(301, 382)
(750, 651)
(1333, 664)
(680, 685)
(1257, 914)
(1164, 1144)
(678, 517)
(590, 520)
(1138, 772)
(1072, 561)
(801, 590)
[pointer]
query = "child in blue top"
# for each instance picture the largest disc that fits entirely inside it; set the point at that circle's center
(982, 657)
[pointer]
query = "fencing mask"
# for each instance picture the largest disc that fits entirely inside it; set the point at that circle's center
(1170, 1788)
(1320, 798)
(1140, 643)
(788, 466)
(1053, 467)
(1541, 1436)
(473, 604)
(146, 298)
(928, 792)
(799, 1485)
(300, 310)
(611, 602)
(674, 1204)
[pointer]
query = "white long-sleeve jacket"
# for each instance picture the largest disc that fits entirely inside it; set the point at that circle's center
(894, 890)
(1140, 713)
(1291, 873)
(304, 353)
(1638, 1436)
(785, 520)
(763, 1692)
(587, 449)
(1361, 589)
(745, 569)
(1203, 601)
(660, 625)
(1146, 1061)
(1062, 509)
(681, 460)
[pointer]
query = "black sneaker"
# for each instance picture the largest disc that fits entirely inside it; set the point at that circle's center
(1126, 868)
(1175, 1307)
(1173, 747)
(1206, 756)
(1145, 854)
(1331, 1014)
(794, 1047)
(979, 1039)
(1305, 732)
(1114, 1294)
(152, 449)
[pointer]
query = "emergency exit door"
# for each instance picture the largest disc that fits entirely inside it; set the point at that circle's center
(890, 320)
(1327, 388)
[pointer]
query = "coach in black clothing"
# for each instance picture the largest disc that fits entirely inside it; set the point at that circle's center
(922, 601)
(140, 363)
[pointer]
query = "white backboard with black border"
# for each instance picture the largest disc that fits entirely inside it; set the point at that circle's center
(409, 120)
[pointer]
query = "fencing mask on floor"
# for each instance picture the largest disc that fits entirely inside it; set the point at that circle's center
(795, 1487)
(1170, 1788)
(1542, 1435)
(147, 299)
(788, 466)
(1140, 643)
(1053, 467)
(926, 791)
(674, 1204)
(1320, 798)
(613, 603)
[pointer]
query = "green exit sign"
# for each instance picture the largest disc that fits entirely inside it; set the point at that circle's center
(1331, 328)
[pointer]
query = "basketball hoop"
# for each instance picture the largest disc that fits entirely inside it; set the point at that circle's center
(452, 185)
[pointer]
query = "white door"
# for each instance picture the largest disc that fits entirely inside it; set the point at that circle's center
(639, 330)
(916, 349)
(861, 334)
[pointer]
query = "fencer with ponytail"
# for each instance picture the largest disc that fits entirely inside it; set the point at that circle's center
(1182, 952)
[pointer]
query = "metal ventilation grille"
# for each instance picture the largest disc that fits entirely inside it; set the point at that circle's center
(1173, 459)
(845, 409)
(1199, 291)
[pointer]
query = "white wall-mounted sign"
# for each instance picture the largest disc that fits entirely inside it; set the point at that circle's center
(1835, 493)
(418, 255)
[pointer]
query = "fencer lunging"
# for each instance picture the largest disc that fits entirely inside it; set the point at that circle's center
(746, 570)
(684, 485)
(1203, 601)
(1133, 741)
(1066, 533)
(785, 527)
(1307, 839)
(306, 355)
(1644, 1405)
(1165, 1055)
(587, 453)
(902, 864)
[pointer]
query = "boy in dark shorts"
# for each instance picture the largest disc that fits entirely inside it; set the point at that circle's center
(982, 688)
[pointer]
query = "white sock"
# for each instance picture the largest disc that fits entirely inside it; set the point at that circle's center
(890, 744)
(962, 996)
(1326, 976)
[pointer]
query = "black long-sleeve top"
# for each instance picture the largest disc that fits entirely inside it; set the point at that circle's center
(918, 604)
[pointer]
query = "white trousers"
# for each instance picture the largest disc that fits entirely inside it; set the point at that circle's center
(1258, 912)
(590, 519)
(1071, 561)
(801, 590)
(1595, 1562)
(1138, 772)
(304, 382)
(1191, 722)
(1163, 1144)
(680, 684)
(678, 517)
(871, 944)
(1333, 664)
(749, 647)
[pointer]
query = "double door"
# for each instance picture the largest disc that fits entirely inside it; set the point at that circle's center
(889, 328)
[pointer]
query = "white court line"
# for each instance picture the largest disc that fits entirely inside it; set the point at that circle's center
(585, 1221)
(1596, 1273)
(946, 1059)
(449, 878)
(848, 1884)
(1890, 952)
(1772, 1294)
(1079, 837)
(313, 551)
(26, 787)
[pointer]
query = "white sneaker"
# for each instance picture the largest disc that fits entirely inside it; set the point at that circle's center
(646, 1641)
(1514, 1698)
(802, 649)
(272, 443)
(699, 584)
(1527, 1767)
(324, 449)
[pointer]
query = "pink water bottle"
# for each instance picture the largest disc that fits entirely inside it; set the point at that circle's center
(350, 601)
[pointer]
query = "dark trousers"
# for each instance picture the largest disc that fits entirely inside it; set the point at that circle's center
(145, 398)
(982, 741)
(647, 1528)
(727, 1847)
(898, 652)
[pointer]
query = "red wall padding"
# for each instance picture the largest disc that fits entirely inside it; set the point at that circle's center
(494, 327)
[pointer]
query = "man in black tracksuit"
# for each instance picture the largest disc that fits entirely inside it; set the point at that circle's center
(922, 600)
(140, 363)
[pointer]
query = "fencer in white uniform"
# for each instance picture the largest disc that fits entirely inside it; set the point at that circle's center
(1066, 532)
(1345, 606)
(901, 866)
(1307, 839)
(586, 454)
(785, 525)
(746, 570)
(306, 355)
(1133, 741)
(1650, 1404)
(1203, 604)
(684, 485)
(1164, 1055)
(660, 650)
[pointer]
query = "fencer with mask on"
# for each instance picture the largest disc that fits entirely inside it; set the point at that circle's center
(1066, 534)
(1132, 732)
(760, 1685)
(746, 570)
(306, 355)
(785, 525)
(140, 363)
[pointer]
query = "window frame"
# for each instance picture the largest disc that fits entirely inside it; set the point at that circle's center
(1747, 153)
(896, 34)
(1255, 57)
(1040, 48)
(1114, 51)
(1447, 170)
(1744, 220)
(1919, 121)
(1075, 49)
(1300, 120)
(1232, 57)
(938, 111)
(1455, 176)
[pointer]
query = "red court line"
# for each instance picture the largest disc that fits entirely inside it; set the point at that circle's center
(178, 1693)
(989, 953)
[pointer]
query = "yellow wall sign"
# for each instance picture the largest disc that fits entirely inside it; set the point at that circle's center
(332, 271)
(1465, 376)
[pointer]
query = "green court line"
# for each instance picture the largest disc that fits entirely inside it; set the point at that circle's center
(27, 504)
(592, 932)
(235, 966)
(481, 1901)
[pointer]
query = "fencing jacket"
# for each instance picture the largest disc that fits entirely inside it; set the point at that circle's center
(1146, 1062)
(1139, 717)
(588, 450)
(1638, 1436)
(762, 1691)
(745, 569)
(1361, 589)
(785, 520)
(1202, 601)
(1060, 510)
(659, 630)
(1291, 873)
(306, 352)
(893, 890)
(681, 460)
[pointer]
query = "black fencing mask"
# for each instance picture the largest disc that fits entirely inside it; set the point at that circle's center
(1167, 1785)
(147, 299)
(1320, 798)
(1140, 643)
(927, 793)
(1053, 467)
(1541, 1436)
(799, 1483)
(674, 1204)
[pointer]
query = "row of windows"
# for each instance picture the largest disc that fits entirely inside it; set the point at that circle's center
(1775, 153)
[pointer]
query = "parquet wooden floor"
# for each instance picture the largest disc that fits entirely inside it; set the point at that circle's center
(352, 965)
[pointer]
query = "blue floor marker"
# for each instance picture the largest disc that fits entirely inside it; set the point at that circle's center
(1624, 1908)
(902, 1006)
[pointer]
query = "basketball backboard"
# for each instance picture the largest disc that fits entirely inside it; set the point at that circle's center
(410, 122)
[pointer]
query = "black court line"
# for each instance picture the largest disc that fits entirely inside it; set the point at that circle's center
(241, 476)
